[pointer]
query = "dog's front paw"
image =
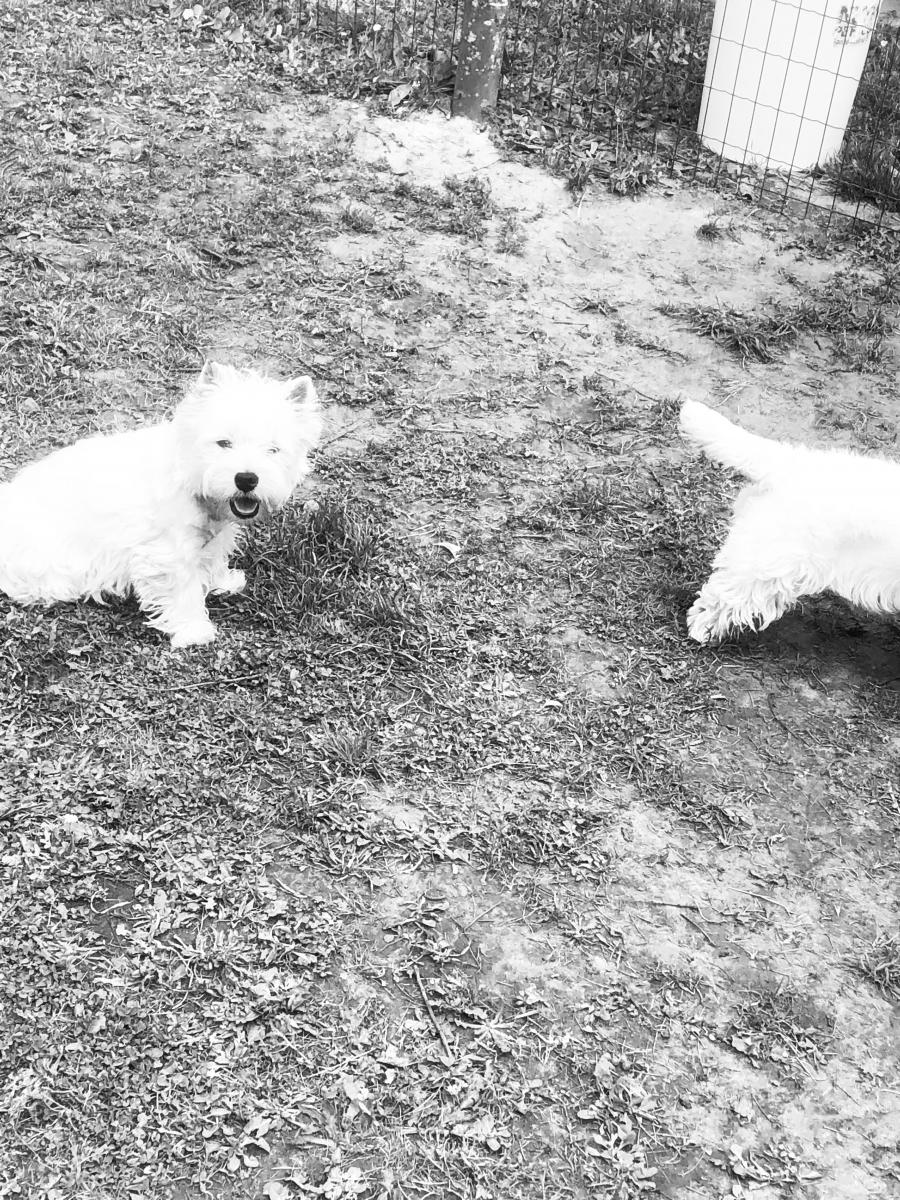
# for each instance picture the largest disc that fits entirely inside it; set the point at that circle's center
(230, 582)
(700, 625)
(199, 634)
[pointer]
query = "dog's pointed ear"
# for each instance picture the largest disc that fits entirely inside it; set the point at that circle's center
(303, 396)
(212, 373)
(300, 392)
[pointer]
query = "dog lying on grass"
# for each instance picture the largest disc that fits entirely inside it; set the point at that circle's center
(157, 511)
(809, 521)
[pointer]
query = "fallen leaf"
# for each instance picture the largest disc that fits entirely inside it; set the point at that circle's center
(398, 94)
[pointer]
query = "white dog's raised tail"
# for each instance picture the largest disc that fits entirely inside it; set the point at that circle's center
(724, 442)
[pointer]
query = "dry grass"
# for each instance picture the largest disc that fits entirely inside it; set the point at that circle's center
(881, 965)
(856, 310)
(363, 901)
(750, 335)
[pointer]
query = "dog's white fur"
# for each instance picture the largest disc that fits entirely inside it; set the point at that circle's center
(158, 510)
(809, 521)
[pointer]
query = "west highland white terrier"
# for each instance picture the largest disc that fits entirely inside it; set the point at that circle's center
(158, 510)
(809, 521)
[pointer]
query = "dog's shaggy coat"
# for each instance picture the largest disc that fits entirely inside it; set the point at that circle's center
(809, 521)
(158, 510)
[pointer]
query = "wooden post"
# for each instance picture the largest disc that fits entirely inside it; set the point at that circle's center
(480, 56)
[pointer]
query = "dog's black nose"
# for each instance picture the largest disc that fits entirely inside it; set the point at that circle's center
(246, 481)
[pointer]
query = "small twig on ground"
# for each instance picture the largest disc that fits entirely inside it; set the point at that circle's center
(767, 899)
(700, 930)
(480, 917)
(340, 436)
(195, 684)
(430, 1010)
(287, 888)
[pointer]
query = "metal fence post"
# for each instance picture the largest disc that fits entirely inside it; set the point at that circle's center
(480, 56)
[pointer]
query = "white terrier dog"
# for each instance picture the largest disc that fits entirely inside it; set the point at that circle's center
(158, 510)
(810, 521)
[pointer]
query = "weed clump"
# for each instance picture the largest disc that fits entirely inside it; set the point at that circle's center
(470, 205)
(511, 237)
(751, 335)
(358, 219)
(867, 172)
(881, 965)
(854, 310)
(315, 564)
(715, 229)
(633, 174)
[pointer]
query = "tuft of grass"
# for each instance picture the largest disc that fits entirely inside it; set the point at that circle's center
(549, 831)
(781, 1027)
(633, 174)
(392, 279)
(715, 229)
(469, 204)
(511, 235)
(310, 563)
(609, 410)
(867, 171)
(854, 309)
(710, 231)
(880, 964)
(405, 189)
(463, 207)
(358, 219)
(348, 752)
(331, 568)
(578, 173)
(751, 335)
(589, 500)
(857, 311)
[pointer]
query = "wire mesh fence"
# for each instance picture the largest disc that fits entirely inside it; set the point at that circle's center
(619, 88)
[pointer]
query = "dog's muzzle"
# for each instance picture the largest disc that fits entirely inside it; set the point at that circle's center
(244, 506)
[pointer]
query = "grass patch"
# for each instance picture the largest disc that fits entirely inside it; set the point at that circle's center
(511, 238)
(855, 309)
(549, 831)
(358, 219)
(589, 500)
(469, 205)
(369, 897)
(749, 335)
(311, 563)
(633, 174)
(868, 172)
(463, 207)
(716, 229)
(779, 1027)
(880, 965)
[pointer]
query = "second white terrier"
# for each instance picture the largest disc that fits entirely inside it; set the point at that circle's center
(157, 511)
(809, 521)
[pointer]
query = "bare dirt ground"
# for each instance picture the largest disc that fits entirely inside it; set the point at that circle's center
(453, 869)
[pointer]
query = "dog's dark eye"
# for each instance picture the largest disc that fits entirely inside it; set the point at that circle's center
(224, 444)
(274, 450)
